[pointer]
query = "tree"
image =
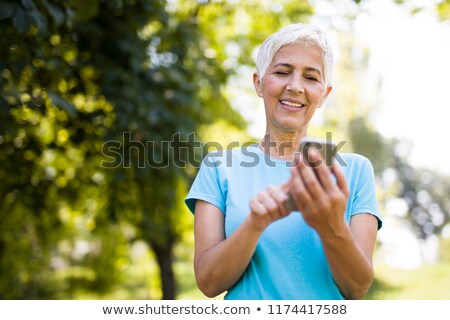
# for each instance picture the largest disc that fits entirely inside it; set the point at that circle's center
(68, 87)
(96, 96)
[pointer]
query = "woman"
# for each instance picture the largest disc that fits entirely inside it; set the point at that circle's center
(246, 242)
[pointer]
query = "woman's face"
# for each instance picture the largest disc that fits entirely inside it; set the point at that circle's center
(293, 87)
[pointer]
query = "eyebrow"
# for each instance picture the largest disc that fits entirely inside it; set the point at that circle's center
(288, 65)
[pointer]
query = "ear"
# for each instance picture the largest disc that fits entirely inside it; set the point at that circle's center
(258, 85)
(325, 96)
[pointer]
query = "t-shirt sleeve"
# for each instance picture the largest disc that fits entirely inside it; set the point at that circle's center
(207, 185)
(365, 200)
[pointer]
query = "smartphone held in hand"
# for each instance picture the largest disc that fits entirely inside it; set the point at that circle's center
(327, 150)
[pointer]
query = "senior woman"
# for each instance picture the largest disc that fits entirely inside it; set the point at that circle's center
(246, 241)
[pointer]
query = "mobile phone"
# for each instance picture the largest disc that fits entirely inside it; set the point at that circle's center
(327, 150)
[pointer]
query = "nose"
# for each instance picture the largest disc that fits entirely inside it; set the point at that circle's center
(295, 83)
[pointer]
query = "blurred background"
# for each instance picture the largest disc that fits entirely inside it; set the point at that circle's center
(104, 103)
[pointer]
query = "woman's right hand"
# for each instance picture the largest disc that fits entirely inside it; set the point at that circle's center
(269, 205)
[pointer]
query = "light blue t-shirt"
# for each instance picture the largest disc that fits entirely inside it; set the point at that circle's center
(289, 262)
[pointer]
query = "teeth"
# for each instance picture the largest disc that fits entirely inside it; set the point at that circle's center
(292, 104)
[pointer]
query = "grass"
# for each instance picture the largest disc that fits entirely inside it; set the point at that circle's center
(430, 282)
(141, 279)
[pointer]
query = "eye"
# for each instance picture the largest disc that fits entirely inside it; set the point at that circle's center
(311, 78)
(281, 73)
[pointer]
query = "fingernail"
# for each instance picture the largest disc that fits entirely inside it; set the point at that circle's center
(313, 151)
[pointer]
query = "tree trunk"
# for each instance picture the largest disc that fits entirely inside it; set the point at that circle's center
(164, 257)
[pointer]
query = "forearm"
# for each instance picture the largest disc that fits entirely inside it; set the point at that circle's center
(219, 268)
(351, 269)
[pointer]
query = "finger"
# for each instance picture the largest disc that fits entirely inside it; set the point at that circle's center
(280, 198)
(310, 180)
(257, 207)
(340, 180)
(309, 159)
(322, 171)
(289, 205)
(269, 203)
(285, 187)
(299, 192)
(298, 157)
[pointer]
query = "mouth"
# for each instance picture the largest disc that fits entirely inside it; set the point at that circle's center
(292, 104)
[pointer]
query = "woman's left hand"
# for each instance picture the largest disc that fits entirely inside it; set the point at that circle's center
(321, 201)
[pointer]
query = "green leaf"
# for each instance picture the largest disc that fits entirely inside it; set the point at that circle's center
(416, 10)
(28, 4)
(22, 21)
(4, 106)
(55, 11)
(63, 103)
(7, 9)
(443, 10)
(40, 21)
(84, 10)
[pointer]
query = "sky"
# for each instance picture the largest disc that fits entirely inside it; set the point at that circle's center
(410, 57)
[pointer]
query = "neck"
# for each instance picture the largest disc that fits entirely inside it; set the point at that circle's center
(281, 145)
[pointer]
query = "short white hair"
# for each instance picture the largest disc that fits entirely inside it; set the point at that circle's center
(296, 33)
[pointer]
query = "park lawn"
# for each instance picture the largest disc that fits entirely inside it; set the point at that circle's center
(429, 282)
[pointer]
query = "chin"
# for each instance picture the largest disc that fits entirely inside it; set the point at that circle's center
(290, 128)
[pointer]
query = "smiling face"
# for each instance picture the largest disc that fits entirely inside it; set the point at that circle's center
(292, 88)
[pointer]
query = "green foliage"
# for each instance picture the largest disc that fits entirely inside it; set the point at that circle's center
(67, 87)
(423, 190)
(443, 9)
(368, 142)
(79, 74)
(426, 194)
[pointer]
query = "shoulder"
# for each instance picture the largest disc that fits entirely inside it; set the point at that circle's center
(353, 161)
(355, 167)
(353, 158)
(231, 157)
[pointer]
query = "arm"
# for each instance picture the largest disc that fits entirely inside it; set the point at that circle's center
(219, 262)
(349, 255)
(348, 249)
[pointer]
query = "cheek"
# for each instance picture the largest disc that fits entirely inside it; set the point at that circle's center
(272, 86)
(316, 94)
(319, 91)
